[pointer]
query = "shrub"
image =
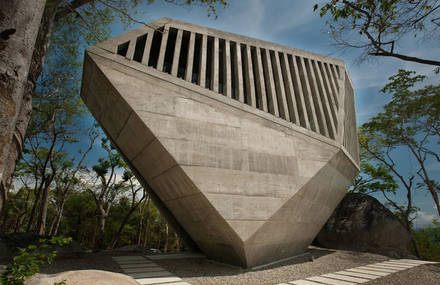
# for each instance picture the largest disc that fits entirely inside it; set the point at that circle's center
(428, 241)
(28, 261)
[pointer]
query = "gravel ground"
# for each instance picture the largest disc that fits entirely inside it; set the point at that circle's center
(203, 272)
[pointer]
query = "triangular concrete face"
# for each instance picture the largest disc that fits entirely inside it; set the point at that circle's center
(244, 185)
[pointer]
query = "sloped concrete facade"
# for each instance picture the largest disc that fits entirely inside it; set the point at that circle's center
(248, 146)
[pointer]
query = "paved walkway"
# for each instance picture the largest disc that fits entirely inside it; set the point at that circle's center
(144, 271)
(361, 274)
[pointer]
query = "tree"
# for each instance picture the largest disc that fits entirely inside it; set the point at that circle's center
(135, 202)
(18, 31)
(428, 241)
(411, 120)
(55, 124)
(374, 177)
(108, 190)
(25, 34)
(377, 26)
(379, 175)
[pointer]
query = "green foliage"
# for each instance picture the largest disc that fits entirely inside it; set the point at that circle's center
(409, 123)
(28, 262)
(376, 26)
(428, 241)
(211, 4)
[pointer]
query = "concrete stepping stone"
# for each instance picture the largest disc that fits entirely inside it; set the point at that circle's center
(150, 274)
(134, 257)
(367, 271)
(394, 266)
(159, 280)
(357, 274)
(177, 255)
(345, 278)
(304, 282)
(400, 264)
(330, 281)
(413, 261)
(142, 265)
(145, 271)
(378, 268)
(134, 261)
(386, 266)
(371, 267)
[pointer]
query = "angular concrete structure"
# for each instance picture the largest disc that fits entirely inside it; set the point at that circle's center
(248, 146)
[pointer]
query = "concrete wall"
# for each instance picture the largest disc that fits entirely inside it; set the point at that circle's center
(249, 182)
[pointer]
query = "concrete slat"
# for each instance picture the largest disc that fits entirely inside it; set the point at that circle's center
(176, 56)
(190, 61)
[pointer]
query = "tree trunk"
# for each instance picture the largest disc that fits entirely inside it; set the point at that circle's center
(33, 210)
(44, 205)
(147, 221)
(165, 248)
(19, 24)
(102, 215)
(122, 226)
(58, 218)
(19, 222)
(178, 242)
(141, 222)
(52, 225)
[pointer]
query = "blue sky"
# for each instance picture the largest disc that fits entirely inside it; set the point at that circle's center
(293, 23)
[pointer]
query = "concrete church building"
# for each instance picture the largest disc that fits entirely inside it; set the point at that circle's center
(246, 146)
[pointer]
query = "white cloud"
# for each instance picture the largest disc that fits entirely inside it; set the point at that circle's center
(423, 219)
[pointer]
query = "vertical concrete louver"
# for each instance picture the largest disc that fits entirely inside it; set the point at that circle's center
(248, 146)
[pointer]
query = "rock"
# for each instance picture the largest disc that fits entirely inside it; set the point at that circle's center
(9, 244)
(362, 223)
(83, 277)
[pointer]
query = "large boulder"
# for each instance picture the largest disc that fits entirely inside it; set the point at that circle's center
(83, 277)
(362, 223)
